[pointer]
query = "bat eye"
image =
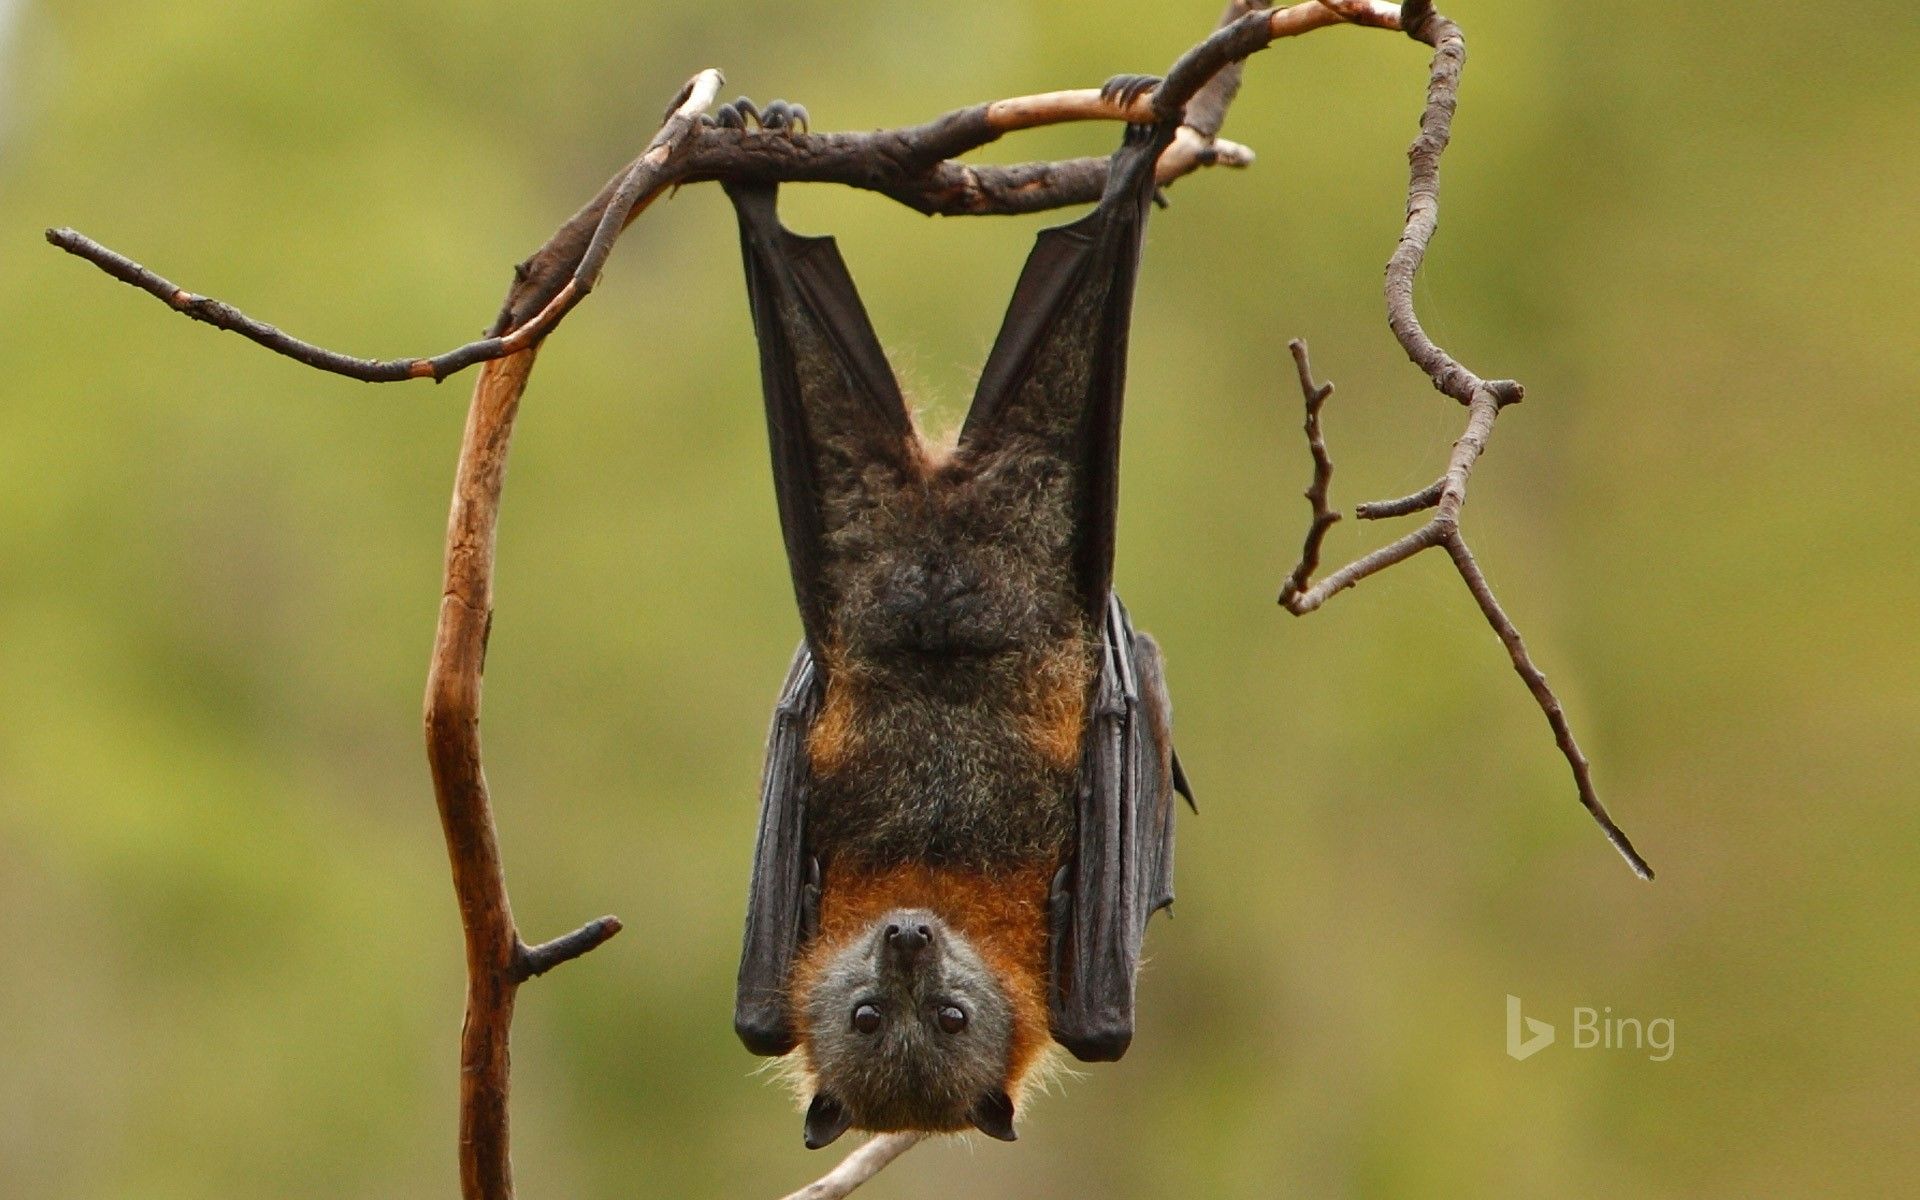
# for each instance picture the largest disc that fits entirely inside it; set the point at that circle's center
(866, 1018)
(951, 1017)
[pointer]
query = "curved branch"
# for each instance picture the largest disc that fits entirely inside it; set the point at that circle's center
(1423, 24)
(498, 962)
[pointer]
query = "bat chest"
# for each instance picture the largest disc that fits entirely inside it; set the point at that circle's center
(959, 674)
(967, 764)
(960, 563)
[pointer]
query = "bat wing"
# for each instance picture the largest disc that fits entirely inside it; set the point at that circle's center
(1053, 383)
(1122, 869)
(1052, 391)
(833, 406)
(784, 899)
(834, 411)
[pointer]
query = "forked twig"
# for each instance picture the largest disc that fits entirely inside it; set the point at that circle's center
(1484, 400)
(1316, 493)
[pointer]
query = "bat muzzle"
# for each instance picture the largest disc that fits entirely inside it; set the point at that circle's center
(908, 938)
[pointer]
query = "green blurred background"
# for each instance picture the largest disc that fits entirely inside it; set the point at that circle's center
(236, 970)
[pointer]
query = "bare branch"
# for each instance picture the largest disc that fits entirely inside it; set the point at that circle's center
(1420, 501)
(1543, 695)
(1301, 602)
(497, 961)
(1447, 496)
(531, 961)
(1423, 198)
(911, 165)
(225, 316)
(860, 1166)
(1316, 493)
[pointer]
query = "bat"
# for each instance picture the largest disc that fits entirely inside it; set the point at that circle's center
(966, 814)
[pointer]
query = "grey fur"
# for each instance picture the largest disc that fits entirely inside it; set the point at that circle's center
(910, 1073)
(950, 607)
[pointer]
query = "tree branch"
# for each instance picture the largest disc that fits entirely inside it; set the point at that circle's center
(912, 165)
(1420, 501)
(1316, 493)
(1447, 496)
(530, 961)
(858, 1167)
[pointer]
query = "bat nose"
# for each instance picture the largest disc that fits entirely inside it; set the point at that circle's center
(908, 940)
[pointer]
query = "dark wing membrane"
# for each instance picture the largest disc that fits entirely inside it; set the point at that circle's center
(783, 899)
(1122, 870)
(1054, 379)
(833, 406)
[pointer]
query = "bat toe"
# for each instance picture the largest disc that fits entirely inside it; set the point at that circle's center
(782, 116)
(1125, 89)
(740, 114)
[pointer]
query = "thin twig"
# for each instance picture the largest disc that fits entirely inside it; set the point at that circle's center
(532, 961)
(224, 316)
(1420, 501)
(1423, 24)
(860, 1166)
(1543, 695)
(1316, 493)
(1484, 399)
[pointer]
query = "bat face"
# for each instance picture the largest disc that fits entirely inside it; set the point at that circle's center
(907, 1027)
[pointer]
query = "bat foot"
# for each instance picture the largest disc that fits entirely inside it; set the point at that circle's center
(779, 116)
(783, 117)
(1123, 90)
(740, 114)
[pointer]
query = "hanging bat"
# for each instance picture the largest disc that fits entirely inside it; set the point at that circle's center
(966, 813)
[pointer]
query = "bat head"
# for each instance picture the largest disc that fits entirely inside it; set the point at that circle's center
(907, 1027)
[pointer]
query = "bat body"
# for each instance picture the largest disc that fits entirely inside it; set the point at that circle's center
(966, 814)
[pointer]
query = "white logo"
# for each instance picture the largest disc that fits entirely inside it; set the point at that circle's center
(1593, 1029)
(1539, 1033)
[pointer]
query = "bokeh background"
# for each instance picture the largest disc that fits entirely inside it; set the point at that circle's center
(235, 967)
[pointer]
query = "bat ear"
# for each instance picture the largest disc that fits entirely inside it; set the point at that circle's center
(992, 1114)
(827, 1119)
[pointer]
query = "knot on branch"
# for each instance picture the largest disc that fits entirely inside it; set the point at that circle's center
(1506, 391)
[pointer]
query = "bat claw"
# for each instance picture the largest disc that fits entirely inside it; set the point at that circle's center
(782, 117)
(741, 114)
(779, 116)
(1123, 90)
